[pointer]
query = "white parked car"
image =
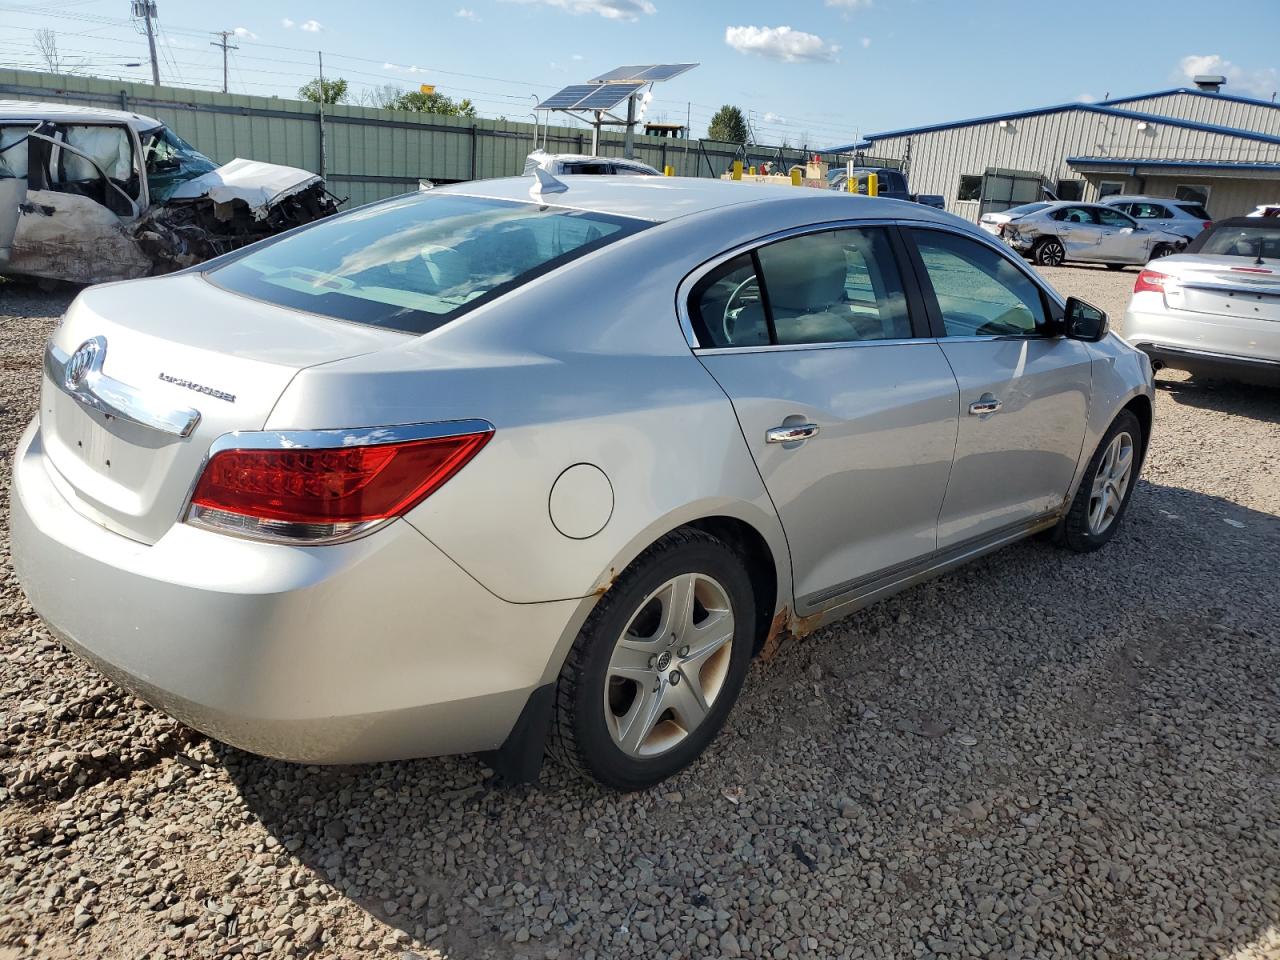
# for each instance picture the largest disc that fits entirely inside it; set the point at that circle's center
(559, 164)
(1186, 217)
(92, 195)
(1215, 309)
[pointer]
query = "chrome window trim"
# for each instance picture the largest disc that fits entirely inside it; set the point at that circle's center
(825, 345)
(685, 288)
(97, 391)
(330, 438)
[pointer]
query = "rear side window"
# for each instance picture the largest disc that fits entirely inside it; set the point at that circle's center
(979, 292)
(1195, 210)
(415, 263)
(838, 286)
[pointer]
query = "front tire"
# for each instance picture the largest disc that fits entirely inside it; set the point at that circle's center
(1050, 252)
(1100, 503)
(658, 665)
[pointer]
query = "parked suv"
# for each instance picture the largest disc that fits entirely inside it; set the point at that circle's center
(1184, 217)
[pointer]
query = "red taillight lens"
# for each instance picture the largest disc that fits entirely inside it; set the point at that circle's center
(1152, 281)
(318, 494)
(1207, 224)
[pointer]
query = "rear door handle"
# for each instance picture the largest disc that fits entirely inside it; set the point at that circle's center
(987, 404)
(791, 433)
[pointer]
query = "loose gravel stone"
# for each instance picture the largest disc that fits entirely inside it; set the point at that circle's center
(1039, 755)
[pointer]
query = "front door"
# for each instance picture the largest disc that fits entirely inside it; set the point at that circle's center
(851, 420)
(1080, 232)
(1023, 394)
(1123, 239)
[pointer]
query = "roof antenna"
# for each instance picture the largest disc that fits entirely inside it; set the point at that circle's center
(544, 182)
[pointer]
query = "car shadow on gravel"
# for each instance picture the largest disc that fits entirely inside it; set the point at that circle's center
(1256, 402)
(1041, 753)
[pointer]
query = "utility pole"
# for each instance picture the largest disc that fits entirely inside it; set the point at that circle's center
(146, 9)
(225, 47)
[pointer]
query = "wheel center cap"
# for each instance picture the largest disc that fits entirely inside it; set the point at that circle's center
(664, 661)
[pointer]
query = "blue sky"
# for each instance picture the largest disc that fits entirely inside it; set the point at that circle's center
(810, 71)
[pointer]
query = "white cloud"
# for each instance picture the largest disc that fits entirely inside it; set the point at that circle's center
(311, 26)
(287, 23)
(781, 43)
(465, 14)
(577, 56)
(866, 42)
(774, 118)
(244, 33)
(849, 4)
(609, 9)
(1260, 81)
(1086, 98)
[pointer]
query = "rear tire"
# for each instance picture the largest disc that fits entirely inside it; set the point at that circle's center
(1105, 490)
(1161, 250)
(1049, 252)
(643, 690)
(1116, 266)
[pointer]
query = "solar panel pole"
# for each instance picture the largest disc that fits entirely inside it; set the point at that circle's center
(628, 141)
(595, 136)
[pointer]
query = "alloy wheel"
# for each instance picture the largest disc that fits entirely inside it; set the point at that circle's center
(1110, 483)
(669, 665)
(1051, 254)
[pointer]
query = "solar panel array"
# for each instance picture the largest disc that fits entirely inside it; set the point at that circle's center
(590, 96)
(644, 73)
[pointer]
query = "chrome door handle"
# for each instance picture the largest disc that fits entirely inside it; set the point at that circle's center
(988, 404)
(791, 433)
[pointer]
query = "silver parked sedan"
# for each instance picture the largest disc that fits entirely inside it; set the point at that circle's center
(1214, 310)
(500, 466)
(1052, 234)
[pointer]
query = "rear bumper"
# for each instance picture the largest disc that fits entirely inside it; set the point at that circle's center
(1212, 364)
(378, 649)
(1206, 344)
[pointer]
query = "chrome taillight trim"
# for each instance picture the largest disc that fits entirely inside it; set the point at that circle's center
(327, 439)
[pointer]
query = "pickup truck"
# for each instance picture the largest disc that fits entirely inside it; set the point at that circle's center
(892, 184)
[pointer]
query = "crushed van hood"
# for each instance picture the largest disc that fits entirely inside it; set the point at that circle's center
(260, 185)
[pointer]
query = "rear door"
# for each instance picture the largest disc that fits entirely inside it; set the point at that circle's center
(1024, 393)
(849, 410)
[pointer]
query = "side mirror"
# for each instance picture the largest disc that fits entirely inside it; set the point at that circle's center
(1084, 321)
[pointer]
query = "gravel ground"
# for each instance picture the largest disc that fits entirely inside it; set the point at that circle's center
(1040, 755)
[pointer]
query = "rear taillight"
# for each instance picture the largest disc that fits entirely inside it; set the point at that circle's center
(324, 486)
(1207, 224)
(1151, 281)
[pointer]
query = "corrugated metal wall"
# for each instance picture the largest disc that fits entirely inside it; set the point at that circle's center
(370, 153)
(1043, 142)
(1262, 118)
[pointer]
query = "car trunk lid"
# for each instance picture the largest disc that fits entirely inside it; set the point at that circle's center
(179, 363)
(1234, 288)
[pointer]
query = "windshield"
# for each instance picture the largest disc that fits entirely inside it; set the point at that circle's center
(171, 161)
(1025, 209)
(1260, 241)
(416, 262)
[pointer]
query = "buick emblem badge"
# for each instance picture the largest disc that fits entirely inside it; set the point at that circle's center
(82, 361)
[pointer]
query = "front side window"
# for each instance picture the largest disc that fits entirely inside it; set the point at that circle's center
(1113, 218)
(838, 286)
(416, 262)
(979, 292)
(970, 187)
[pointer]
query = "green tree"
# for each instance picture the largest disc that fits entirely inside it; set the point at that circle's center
(728, 125)
(324, 91)
(419, 102)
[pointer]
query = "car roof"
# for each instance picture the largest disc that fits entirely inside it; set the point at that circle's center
(1141, 198)
(661, 199)
(64, 113)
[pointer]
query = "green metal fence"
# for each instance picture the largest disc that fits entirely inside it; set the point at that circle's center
(368, 153)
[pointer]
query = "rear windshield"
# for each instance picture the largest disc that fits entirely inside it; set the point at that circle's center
(1195, 210)
(1025, 209)
(416, 262)
(1260, 241)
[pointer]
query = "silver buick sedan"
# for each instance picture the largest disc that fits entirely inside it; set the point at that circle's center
(509, 468)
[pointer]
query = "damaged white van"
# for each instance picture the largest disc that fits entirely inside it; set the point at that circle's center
(91, 195)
